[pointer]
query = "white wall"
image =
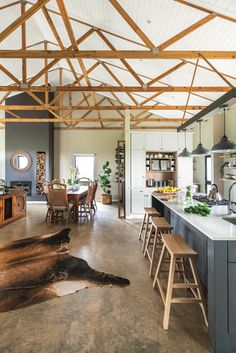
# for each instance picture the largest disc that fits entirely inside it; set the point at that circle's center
(102, 143)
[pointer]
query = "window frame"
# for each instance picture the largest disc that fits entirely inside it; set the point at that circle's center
(84, 155)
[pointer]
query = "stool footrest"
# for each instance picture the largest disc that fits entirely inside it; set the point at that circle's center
(183, 285)
(185, 300)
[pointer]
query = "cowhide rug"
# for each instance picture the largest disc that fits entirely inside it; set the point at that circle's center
(40, 268)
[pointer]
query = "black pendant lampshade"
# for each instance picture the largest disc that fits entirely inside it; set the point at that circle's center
(200, 150)
(185, 152)
(224, 143)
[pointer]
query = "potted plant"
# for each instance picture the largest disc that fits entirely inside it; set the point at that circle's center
(104, 182)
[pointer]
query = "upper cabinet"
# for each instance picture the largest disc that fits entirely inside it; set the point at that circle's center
(138, 141)
(156, 141)
(153, 141)
(170, 141)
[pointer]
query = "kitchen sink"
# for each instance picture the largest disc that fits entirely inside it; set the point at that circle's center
(230, 219)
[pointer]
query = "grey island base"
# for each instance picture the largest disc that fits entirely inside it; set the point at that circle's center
(214, 239)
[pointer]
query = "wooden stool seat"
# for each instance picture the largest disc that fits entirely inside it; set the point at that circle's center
(177, 248)
(159, 225)
(151, 211)
(148, 213)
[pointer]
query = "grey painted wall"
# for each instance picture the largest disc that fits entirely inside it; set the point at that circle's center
(29, 137)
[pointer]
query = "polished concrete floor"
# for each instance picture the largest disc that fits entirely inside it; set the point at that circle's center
(101, 319)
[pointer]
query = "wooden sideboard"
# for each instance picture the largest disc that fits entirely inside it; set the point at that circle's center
(12, 207)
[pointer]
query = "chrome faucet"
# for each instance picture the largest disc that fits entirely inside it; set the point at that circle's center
(230, 210)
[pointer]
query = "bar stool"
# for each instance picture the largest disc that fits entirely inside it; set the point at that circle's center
(148, 213)
(159, 225)
(177, 248)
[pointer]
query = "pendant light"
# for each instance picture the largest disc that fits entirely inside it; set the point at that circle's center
(185, 152)
(199, 150)
(224, 143)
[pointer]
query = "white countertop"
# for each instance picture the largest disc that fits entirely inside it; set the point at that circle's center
(213, 226)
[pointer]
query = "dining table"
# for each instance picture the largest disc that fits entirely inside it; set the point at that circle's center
(76, 196)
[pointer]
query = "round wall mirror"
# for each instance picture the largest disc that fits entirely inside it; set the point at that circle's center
(21, 161)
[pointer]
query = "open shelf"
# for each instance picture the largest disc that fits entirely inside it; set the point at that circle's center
(160, 168)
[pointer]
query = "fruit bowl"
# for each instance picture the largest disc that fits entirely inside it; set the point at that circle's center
(167, 190)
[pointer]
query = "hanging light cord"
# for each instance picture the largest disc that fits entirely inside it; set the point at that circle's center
(200, 132)
(224, 121)
(185, 138)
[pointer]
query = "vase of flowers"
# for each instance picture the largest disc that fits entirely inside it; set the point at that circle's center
(73, 177)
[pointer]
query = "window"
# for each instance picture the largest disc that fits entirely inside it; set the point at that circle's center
(207, 173)
(85, 163)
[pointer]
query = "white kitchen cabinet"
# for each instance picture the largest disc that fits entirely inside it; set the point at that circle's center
(170, 141)
(181, 141)
(138, 173)
(137, 141)
(184, 171)
(153, 141)
(140, 198)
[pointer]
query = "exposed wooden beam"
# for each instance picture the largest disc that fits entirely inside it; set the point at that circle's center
(204, 9)
(217, 72)
(74, 88)
(100, 107)
(118, 81)
(9, 5)
(186, 31)
(116, 54)
(55, 61)
(190, 89)
(166, 73)
(161, 127)
(132, 24)
(20, 20)
(23, 45)
(92, 26)
(5, 97)
(124, 62)
(9, 74)
(82, 120)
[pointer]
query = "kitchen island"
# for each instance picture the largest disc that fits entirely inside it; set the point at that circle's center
(214, 239)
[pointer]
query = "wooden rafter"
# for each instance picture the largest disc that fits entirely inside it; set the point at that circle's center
(107, 88)
(166, 73)
(116, 54)
(124, 62)
(92, 26)
(9, 74)
(132, 24)
(104, 107)
(118, 81)
(9, 5)
(70, 33)
(217, 72)
(82, 120)
(23, 45)
(190, 89)
(186, 31)
(54, 62)
(204, 9)
(20, 20)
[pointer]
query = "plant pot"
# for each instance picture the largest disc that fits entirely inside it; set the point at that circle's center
(106, 199)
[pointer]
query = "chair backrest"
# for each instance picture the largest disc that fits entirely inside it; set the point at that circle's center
(55, 184)
(95, 186)
(92, 188)
(84, 181)
(57, 197)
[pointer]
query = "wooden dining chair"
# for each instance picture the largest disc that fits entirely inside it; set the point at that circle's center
(59, 206)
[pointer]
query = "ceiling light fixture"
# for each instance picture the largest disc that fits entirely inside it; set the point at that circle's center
(224, 143)
(185, 152)
(200, 150)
